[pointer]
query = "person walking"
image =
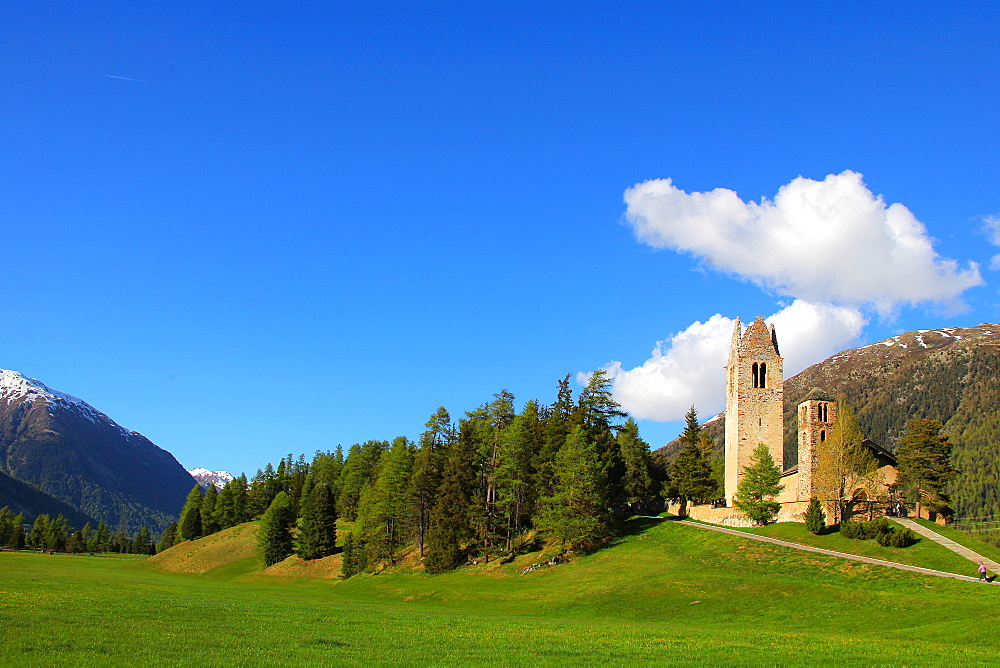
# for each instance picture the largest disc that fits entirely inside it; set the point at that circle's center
(982, 573)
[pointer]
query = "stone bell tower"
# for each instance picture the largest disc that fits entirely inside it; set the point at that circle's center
(754, 399)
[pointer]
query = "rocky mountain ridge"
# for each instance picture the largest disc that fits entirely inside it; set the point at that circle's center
(69, 450)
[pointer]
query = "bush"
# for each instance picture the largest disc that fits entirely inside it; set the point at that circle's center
(865, 530)
(897, 538)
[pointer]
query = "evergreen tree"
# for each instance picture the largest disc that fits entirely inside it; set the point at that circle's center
(924, 458)
(168, 538)
(55, 540)
(815, 520)
(513, 475)
(640, 475)
(691, 475)
(450, 528)
(6, 524)
(427, 471)
(209, 522)
(142, 543)
(16, 540)
(577, 513)
(385, 504)
(274, 537)
(757, 489)
(353, 559)
(39, 534)
(318, 530)
(189, 524)
(100, 540)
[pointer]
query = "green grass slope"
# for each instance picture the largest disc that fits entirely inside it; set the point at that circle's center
(666, 594)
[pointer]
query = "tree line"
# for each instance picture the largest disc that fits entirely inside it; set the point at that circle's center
(55, 535)
(479, 488)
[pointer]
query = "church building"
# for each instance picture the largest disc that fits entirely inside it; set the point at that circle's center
(755, 414)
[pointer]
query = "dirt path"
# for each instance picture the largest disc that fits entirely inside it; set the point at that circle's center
(834, 553)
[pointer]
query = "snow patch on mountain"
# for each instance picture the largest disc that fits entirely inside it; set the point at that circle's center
(204, 477)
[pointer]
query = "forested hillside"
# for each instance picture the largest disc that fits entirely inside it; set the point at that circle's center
(476, 488)
(946, 374)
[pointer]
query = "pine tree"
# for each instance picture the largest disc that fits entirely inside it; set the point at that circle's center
(427, 471)
(274, 537)
(38, 536)
(385, 504)
(168, 538)
(142, 543)
(16, 541)
(450, 528)
(815, 520)
(209, 522)
(640, 478)
(55, 540)
(577, 513)
(6, 524)
(189, 524)
(353, 559)
(924, 458)
(757, 489)
(318, 529)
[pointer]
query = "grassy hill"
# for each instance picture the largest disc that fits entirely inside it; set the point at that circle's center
(665, 594)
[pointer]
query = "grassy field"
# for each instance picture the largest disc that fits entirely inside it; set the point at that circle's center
(666, 594)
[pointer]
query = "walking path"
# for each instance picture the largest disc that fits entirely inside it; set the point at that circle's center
(961, 550)
(843, 555)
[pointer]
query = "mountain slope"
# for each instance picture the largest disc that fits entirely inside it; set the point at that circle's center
(947, 374)
(21, 497)
(72, 451)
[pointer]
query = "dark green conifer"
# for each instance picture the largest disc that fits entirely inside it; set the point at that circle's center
(209, 521)
(168, 538)
(189, 524)
(814, 517)
(577, 513)
(274, 537)
(318, 529)
(757, 489)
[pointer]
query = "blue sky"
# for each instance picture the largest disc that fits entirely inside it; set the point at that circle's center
(249, 229)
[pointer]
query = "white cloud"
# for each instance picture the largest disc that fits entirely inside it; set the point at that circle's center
(991, 226)
(688, 369)
(828, 241)
(832, 245)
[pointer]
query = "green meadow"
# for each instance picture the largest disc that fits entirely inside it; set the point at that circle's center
(665, 594)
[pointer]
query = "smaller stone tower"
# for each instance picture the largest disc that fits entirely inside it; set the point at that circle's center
(754, 399)
(816, 418)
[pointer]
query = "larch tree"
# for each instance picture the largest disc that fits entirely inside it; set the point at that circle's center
(843, 462)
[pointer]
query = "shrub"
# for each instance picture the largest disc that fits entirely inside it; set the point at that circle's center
(865, 530)
(897, 538)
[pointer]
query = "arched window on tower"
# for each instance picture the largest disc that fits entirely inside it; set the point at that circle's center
(754, 379)
(763, 374)
(822, 435)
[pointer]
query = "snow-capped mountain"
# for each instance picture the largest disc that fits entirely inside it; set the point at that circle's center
(70, 450)
(206, 477)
